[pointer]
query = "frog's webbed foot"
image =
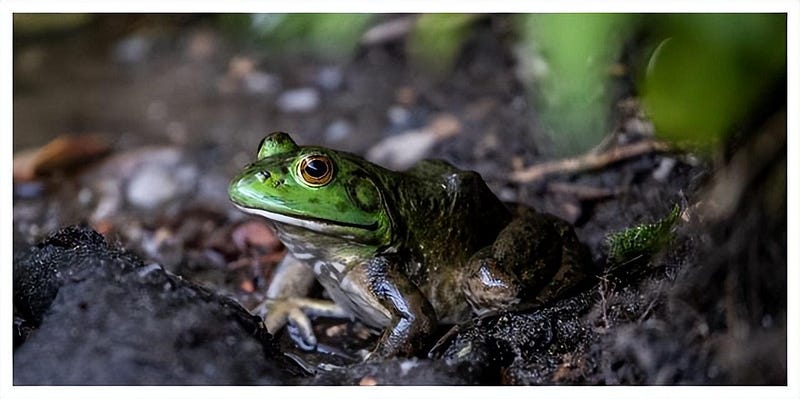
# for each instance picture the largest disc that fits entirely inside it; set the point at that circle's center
(294, 313)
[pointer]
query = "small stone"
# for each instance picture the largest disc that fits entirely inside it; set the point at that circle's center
(131, 50)
(240, 66)
(202, 45)
(338, 130)
(85, 196)
(299, 100)
(330, 78)
(508, 194)
(661, 173)
(151, 187)
(28, 189)
(247, 286)
(398, 115)
(403, 150)
(258, 82)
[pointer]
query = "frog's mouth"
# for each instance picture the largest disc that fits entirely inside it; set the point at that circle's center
(308, 222)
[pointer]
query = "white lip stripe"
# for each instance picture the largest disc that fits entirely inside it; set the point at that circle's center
(308, 224)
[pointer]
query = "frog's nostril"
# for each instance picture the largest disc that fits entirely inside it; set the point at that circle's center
(262, 176)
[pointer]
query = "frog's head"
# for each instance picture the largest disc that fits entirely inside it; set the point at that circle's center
(318, 189)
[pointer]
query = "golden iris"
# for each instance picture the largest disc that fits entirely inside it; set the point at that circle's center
(316, 170)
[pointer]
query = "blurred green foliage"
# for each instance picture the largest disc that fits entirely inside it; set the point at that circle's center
(436, 39)
(38, 24)
(702, 73)
(331, 36)
(710, 72)
(706, 72)
(573, 90)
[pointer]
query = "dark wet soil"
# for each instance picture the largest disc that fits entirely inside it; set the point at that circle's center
(184, 107)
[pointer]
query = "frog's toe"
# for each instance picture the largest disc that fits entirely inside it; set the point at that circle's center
(294, 313)
(300, 330)
(277, 312)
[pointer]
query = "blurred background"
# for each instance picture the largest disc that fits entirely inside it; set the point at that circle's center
(350, 79)
(182, 101)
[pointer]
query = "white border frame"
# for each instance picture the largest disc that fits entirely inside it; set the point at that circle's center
(7, 7)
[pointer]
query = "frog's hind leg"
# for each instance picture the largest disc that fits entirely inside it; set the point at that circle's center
(287, 303)
(523, 259)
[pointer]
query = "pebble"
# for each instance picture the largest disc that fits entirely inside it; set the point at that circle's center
(661, 173)
(131, 50)
(330, 78)
(31, 189)
(151, 187)
(258, 82)
(398, 116)
(155, 185)
(403, 150)
(338, 131)
(299, 100)
(202, 45)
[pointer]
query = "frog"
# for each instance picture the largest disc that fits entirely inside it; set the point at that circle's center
(400, 251)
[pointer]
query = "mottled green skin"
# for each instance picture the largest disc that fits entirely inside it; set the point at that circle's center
(405, 250)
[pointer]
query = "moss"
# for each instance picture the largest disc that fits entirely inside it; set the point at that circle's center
(639, 243)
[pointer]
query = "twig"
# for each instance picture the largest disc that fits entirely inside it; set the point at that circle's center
(603, 302)
(582, 192)
(588, 161)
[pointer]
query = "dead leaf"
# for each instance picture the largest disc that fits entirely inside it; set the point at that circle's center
(62, 153)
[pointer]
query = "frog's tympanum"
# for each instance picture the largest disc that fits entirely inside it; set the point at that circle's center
(401, 251)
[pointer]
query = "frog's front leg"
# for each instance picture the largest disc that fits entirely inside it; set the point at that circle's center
(411, 317)
(287, 302)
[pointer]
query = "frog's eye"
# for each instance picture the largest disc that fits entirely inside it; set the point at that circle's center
(316, 170)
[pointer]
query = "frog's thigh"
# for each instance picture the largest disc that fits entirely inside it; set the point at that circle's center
(524, 257)
(530, 249)
(292, 278)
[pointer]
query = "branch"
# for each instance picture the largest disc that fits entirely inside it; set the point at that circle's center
(588, 161)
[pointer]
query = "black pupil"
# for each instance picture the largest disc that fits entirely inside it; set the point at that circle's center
(316, 168)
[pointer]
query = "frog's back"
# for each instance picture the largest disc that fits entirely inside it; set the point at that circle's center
(447, 215)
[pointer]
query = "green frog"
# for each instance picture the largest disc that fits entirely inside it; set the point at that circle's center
(399, 251)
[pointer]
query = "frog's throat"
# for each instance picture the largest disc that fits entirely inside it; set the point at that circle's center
(310, 223)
